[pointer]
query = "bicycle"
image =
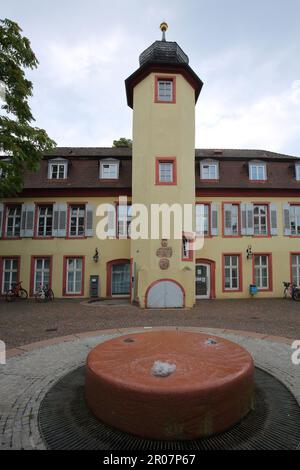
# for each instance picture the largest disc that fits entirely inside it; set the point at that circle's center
(291, 290)
(16, 292)
(44, 294)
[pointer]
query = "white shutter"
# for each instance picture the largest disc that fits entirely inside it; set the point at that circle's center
(55, 220)
(286, 220)
(273, 219)
(23, 220)
(1, 217)
(214, 219)
(227, 219)
(62, 221)
(89, 232)
(28, 220)
(250, 225)
(244, 219)
(111, 217)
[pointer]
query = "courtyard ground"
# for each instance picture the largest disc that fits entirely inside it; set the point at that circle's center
(24, 322)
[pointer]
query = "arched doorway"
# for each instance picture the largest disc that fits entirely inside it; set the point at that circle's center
(165, 293)
(205, 279)
(118, 278)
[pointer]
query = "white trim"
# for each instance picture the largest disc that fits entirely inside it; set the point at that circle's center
(260, 267)
(257, 165)
(111, 163)
(210, 165)
(59, 163)
(207, 295)
(297, 267)
(74, 270)
(43, 272)
(232, 266)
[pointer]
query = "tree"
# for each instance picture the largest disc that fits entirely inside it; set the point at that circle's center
(122, 142)
(21, 145)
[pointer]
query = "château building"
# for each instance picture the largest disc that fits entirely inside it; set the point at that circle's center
(249, 201)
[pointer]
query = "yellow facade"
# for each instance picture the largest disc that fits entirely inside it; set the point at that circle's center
(279, 247)
(162, 131)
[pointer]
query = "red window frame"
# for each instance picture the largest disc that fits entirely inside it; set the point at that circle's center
(270, 271)
(233, 203)
(109, 266)
(36, 236)
(240, 268)
(18, 258)
(159, 160)
(205, 203)
(64, 289)
(165, 78)
(292, 253)
(268, 234)
(4, 220)
(76, 237)
(32, 266)
(190, 251)
(294, 204)
(117, 205)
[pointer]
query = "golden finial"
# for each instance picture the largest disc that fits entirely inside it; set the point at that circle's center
(163, 27)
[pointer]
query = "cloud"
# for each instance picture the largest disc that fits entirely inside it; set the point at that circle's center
(90, 58)
(271, 122)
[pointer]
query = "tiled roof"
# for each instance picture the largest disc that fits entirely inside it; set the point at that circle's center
(83, 169)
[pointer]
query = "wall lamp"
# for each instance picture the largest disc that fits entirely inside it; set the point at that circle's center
(249, 252)
(96, 256)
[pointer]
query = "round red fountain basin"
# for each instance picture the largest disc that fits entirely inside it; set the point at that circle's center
(210, 390)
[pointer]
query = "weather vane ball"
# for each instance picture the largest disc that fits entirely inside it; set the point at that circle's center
(163, 27)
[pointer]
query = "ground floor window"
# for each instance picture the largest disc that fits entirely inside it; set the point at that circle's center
(120, 279)
(232, 272)
(296, 269)
(74, 276)
(262, 271)
(10, 273)
(41, 273)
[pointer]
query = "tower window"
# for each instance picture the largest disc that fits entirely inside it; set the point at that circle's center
(165, 90)
(166, 171)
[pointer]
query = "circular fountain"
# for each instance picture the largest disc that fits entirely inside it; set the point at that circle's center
(169, 384)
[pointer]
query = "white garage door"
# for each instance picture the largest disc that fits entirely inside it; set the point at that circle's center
(165, 294)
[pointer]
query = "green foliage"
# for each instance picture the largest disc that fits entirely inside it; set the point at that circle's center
(22, 144)
(122, 142)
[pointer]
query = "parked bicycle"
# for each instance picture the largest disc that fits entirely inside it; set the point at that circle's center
(16, 292)
(44, 294)
(291, 290)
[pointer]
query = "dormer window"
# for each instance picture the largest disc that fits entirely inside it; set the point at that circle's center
(257, 171)
(165, 90)
(3, 168)
(209, 170)
(57, 169)
(109, 170)
(297, 170)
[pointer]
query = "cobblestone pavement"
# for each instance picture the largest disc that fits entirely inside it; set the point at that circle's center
(27, 322)
(26, 378)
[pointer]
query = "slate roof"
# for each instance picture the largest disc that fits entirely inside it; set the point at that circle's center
(167, 52)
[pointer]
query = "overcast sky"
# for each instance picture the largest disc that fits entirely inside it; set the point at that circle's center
(246, 53)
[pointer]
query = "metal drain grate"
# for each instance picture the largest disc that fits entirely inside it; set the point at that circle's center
(66, 423)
